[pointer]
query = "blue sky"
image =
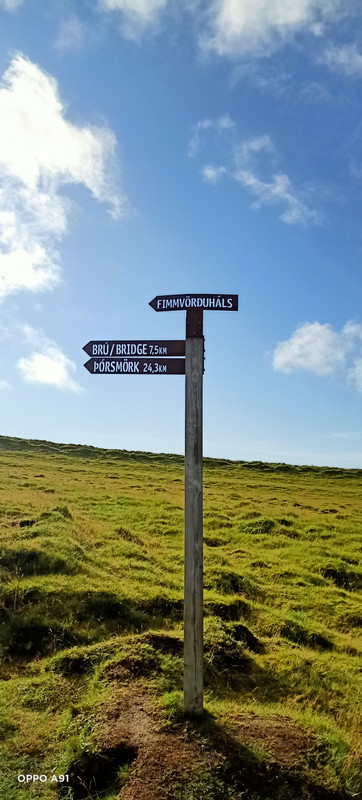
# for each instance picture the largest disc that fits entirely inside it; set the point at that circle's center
(153, 147)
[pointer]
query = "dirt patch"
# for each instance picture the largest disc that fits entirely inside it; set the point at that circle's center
(287, 743)
(132, 722)
(140, 760)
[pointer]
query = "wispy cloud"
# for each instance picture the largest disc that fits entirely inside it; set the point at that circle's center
(345, 435)
(355, 374)
(318, 348)
(268, 77)
(279, 191)
(258, 26)
(252, 161)
(41, 151)
(212, 174)
(234, 28)
(136, 15)
(10, 5)
(71, 34)
(217, 126)
(4, 385)
(347, 60)
(248, 151)
(47, 364)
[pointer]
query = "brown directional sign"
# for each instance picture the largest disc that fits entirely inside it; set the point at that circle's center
(207, 302)
(136, 366)
(135, 348)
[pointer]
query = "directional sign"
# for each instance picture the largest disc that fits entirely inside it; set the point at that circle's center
(208, 302)
(133, 348)
(136, 366)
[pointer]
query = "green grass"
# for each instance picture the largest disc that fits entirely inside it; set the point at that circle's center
(91, 568)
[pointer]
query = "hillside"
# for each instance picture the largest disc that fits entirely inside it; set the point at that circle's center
(91, 599)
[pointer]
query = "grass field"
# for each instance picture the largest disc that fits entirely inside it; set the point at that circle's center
(91, 601)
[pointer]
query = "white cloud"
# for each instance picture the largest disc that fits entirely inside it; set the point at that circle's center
(236, 28)
(274, 80)
(4, 385)
(136, 14)
(251, 147)
(47, 364)
(317, 28)
(245, 159)
(323, 351)
(347, 60)
(41, 151)
(71, 34)
(355, 374)
(239, 27)
(144, 8)
(345, 435)
(212, 174)
(217, 126)
(10, 5)
(314, 347)
(279, 190)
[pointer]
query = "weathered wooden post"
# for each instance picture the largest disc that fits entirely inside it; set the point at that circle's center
(193, 603)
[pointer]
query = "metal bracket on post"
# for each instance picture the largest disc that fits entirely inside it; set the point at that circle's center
(193, 605)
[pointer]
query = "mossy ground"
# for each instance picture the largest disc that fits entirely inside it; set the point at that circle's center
(91, 600)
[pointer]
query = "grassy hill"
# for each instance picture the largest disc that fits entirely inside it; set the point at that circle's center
(91, 600)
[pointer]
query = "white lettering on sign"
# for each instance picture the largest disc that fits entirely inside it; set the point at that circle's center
(116, 366)
(131, 349)
(195, 302)
(206, 301)
(102, 349)
(154, 368)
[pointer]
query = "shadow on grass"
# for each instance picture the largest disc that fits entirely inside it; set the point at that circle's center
(33, 562)
(245, 772)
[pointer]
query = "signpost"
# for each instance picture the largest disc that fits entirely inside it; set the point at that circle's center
(142, 358)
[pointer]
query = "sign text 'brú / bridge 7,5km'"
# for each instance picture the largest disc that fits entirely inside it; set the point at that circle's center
(135, 348)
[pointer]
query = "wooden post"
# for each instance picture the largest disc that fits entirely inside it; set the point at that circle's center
(193, 587)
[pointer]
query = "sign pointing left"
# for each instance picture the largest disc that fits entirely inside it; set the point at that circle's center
(135, 348)
(136, 366)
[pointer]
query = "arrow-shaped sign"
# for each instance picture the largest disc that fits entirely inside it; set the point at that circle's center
(135, 348)
(207, 302)
(136, 366)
